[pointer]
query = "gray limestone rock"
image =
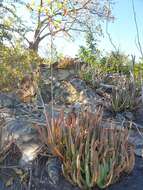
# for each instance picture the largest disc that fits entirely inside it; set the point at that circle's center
(8, 100)
(54, 170)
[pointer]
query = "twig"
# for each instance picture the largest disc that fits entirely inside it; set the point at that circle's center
(135, 125)
(107, 32)
(30, 179)
(137, 28)
(139, 43)
(8, 167)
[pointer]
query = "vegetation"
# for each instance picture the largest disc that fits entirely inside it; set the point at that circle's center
(88, 159)
(51, 18)
(91, 155)
(125, 96)
(115, 69)
(14, 64)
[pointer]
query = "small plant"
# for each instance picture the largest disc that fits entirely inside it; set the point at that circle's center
(125, 96)
(91, 155)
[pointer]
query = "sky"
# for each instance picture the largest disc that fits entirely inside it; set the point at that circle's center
(122, 31)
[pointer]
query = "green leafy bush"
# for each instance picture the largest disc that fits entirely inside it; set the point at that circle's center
(14, 64)
(116, 62)
(91, 155)
(87, 56)
(98, 68)
(137, 70)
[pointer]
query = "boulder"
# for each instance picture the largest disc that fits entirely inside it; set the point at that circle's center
(137, 139)
(8, 100)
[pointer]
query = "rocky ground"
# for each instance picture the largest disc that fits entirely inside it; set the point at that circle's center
(69, 91)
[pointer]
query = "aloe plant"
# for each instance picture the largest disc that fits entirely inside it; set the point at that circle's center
(126, 96)
(91, 155)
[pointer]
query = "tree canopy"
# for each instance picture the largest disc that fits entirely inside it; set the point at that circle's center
(50, 17)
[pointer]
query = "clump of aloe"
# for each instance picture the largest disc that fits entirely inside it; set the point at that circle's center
(91, 155)
(126, 96)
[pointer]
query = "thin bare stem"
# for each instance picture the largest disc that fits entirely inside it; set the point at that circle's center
(107, 31)
(137, 28)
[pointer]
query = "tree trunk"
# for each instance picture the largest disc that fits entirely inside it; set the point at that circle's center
(34, 46)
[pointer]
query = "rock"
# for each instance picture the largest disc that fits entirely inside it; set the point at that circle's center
(58, 74)
(139, 151)
(138, 114)
(106, 87)
(137, 126)
(63, 74)
(100, 91)
(77, 106)
(20, 126)
(57, 84)
(28, 152)
(6, 113)
(78, 84)
(119, 117)
(45, 93)
(129, 115)
(87, 93)
(53, 169)
(67, 90)
(8, 100)
(65, 93)
(22, 131)
(25, 135)
(137, 139)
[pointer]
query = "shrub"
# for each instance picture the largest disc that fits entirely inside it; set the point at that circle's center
(137, 70)
(14, 64)
(116, 62)
(91, 155)
(98, 68)
(90, 53)
(87, 56)
(93, 75)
